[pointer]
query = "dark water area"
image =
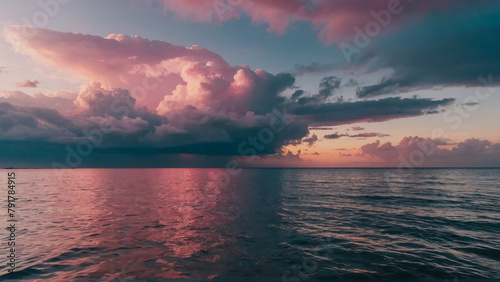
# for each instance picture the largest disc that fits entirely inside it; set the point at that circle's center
(261, 225)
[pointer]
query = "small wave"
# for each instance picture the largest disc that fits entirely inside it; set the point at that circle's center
(487, 252)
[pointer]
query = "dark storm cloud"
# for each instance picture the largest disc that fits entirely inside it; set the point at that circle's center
(266, 92)
(366, 111)
(311, 140)
(328, 85)
(184, 131)
(207, 133)
(18, 123)
(451, 48)
(135, 131)
(41, 154)
(327, 88)
(334, 136)
(297, 94)
(187, 130)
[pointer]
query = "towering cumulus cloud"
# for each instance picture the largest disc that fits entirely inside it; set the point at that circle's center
(152, 97)
(117, 60)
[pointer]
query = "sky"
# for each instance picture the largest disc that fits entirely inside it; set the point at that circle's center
(249, 83)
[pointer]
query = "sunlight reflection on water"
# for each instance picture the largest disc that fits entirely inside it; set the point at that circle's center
(167, 223)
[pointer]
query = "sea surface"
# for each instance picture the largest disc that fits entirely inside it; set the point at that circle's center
(255, 225)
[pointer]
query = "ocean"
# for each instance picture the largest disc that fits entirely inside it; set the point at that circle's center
(253, 225)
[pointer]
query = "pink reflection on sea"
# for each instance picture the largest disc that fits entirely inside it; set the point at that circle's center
(140, 223)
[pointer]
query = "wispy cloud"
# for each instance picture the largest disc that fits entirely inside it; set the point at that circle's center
(360, 135)
(334, 136)
(368, 135)
(315, 68)
(28, 83)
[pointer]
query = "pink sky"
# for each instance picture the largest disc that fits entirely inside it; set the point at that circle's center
(140, 96)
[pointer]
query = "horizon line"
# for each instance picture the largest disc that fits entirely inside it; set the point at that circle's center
(405, 168)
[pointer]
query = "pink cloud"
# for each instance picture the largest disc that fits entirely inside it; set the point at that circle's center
(193, 96)
(357, 128)
(422, 152)
(158, 75)
(334, 19)
(149, 69)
